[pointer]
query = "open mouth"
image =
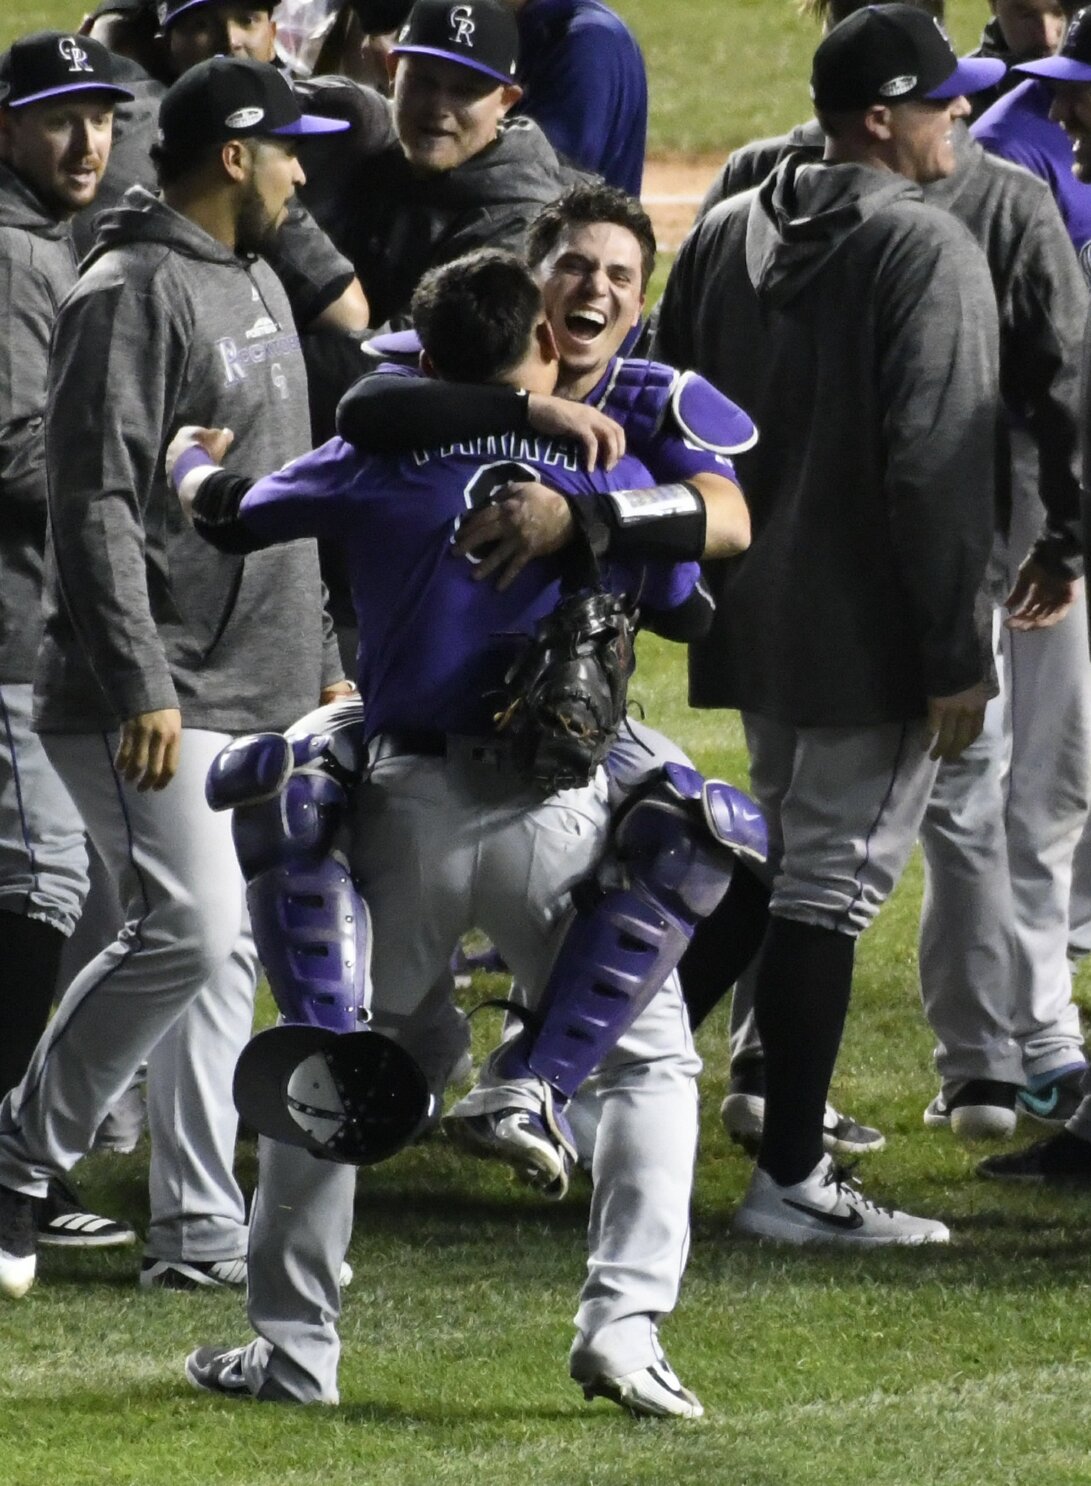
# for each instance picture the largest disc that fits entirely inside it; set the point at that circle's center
(585, 324)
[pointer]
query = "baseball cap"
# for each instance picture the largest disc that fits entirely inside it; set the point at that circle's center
(49, 63)
(1072, 64)
(890, 53)
(170, 10)
(233, 98)
(378, 16)
(482, 34)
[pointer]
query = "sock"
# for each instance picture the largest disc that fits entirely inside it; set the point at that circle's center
(28, 978)
(724, 944)
(801, 997)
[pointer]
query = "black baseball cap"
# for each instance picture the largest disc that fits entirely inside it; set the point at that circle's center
(379, 16)
(233, 98)
(170, 10)
(1072, 64)
(482, 34)
(50, 63)
(890, 53)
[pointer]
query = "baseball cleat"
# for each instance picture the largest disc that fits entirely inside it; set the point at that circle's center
(980, 1109)
(18, 1247)
(538, 1145)
(1055, 1100)
(63, 1222)
(207, 1274)
(192, 1274)
(653, 1391)
(218, 1370)
(743, 1115)
(827, 1207)
(1062, 1160)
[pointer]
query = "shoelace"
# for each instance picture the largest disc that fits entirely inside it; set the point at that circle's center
(843, 1178)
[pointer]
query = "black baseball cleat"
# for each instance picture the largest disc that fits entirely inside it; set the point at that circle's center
(18, 1244)
(218, 1370)
(62, 1222)
(979, 1109)
(1054, 1102)
(1062, 1160)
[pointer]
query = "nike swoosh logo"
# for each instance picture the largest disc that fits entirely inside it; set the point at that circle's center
(1043, 1107)
(851, 1219)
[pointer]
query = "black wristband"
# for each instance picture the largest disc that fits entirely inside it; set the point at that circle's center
(664, 521)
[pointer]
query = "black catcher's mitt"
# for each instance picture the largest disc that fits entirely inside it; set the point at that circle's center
(567, 691)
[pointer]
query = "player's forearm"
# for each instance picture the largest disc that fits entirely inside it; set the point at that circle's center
(390, 413)
(212, 499)
(681, 522)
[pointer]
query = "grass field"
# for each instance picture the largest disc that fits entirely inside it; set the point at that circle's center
(963, 1366)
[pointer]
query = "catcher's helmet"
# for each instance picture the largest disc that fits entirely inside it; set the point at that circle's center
(356, 1097)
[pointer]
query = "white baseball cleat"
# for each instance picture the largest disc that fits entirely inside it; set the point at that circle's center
(538, 1144)
(653, 1391)
(207, 1274)
(827, 1207)
(18, 1245)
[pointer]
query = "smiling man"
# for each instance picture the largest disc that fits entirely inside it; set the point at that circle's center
(460, 175)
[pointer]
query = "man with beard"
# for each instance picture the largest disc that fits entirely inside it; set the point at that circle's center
(156, 652)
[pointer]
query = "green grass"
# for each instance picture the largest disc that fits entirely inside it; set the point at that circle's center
(963, 1366)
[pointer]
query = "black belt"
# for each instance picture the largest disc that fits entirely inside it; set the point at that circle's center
(431, 743)
(428, 742)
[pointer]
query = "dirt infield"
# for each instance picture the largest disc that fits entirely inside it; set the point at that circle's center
(673, 188)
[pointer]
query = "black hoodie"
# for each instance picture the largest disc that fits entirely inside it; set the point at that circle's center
(858, 328)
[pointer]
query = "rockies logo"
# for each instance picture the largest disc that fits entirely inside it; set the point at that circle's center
(74, 55)
(462, 24)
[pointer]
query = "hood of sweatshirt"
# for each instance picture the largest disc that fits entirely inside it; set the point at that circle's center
(20, 207)
(519, 166)
(144, 218)
(804, 213)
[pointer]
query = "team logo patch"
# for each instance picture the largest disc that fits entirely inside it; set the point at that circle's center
(244, 118)
(897, 86)
(461, 22)
(74, 54)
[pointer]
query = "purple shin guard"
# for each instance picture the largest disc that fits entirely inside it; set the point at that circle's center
(675, 868)
(313, 936)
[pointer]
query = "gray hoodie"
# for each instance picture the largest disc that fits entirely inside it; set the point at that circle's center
(858, 327)
(166, 326)
(37, 269)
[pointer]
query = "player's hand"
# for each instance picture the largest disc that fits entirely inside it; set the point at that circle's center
(147, 754)
(599, 437)
(335, 691)
(1039, 598)
(214, 441)
(955, 721)
(525, 520)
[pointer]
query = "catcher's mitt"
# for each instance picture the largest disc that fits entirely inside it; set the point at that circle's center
(567, 691)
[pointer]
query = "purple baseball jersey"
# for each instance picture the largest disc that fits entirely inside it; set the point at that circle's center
(434, 644)
(1018, 128)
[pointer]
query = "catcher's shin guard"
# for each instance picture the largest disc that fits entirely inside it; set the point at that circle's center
(674, 846)
(310, 925)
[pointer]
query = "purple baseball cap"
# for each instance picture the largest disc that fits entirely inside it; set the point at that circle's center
(1072, 64)
(891, 53)
(50, 63)
(233, 98)
(482, 34)
(170, 10)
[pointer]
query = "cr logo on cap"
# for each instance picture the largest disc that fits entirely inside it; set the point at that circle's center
(462, 20)
(74, 55)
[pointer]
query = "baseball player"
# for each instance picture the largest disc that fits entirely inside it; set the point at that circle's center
(156, 651)
(57, 99)
(446, 834)
(1004, 819)
(847, 634)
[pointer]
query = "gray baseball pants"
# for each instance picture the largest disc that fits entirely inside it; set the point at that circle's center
(176, 989)
(441, 846)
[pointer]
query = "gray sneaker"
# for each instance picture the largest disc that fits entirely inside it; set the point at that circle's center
(743, 1115)
(827, 1207)
(218, 1370)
